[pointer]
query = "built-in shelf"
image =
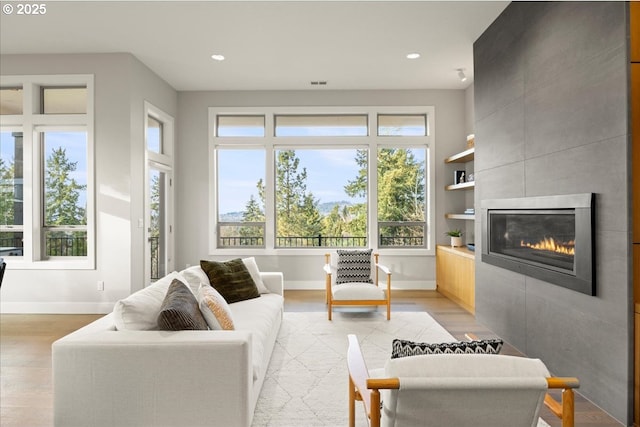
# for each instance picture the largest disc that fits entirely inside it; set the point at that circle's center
(461, 186)
(459, 216)
(462, 157)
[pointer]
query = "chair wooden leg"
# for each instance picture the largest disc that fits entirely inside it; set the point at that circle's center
(568, 408)
(352, 403)
(374, 417)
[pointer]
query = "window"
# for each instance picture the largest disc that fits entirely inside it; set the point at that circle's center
(46, 150)
(321, 125)
(11, 100)
(65, 193)
(154, 135)
(241, 217)
(320, 197)
(402, 125)
(348, 177)
(401, 197)
(64, 100)
(11, 193)
(239, 126)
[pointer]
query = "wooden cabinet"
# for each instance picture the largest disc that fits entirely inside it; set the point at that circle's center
(455, 275)
(634, 29)
(635, 150)
(634, 36)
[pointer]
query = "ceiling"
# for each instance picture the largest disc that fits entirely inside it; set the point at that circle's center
(268, 45)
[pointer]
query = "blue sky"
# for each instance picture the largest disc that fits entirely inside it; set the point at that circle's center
(75, 144)
(328, 171)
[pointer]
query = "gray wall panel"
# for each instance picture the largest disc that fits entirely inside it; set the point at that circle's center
(569, 69)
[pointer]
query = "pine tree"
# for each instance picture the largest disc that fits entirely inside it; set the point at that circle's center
(62, 196)
(62, 192)
(296, 210)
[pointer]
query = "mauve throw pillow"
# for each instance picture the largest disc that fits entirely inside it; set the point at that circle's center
(179, 310)
(231, 279)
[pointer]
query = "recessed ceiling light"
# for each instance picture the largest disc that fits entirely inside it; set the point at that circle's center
(414, 55)
(217, 57)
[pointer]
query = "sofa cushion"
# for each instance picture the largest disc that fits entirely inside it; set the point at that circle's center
(180, 311)
(232, 279)
(251, 265)
(194, 277)
(259, 316)
(404, 348)
(214, 308)
(139, 311)
(354, 266)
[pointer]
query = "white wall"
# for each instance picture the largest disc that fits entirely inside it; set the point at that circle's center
(305, 271)
(122, 84)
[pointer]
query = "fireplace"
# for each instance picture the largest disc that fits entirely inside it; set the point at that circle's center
(549, 238)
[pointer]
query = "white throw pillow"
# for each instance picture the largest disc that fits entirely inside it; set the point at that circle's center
(251, 265)
(214, 308)
(139, 311)
(194, 276)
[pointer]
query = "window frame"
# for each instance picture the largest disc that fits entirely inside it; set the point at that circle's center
(372, 142)
(32, 122)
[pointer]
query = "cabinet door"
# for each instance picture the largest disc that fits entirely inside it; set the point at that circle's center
(635, 148)
(634, 28)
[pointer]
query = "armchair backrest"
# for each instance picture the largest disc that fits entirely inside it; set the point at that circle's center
(464, 390)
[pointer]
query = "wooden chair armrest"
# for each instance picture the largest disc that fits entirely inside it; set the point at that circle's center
(384, 269)
(565, 410)
(471, 336)
(358, 372)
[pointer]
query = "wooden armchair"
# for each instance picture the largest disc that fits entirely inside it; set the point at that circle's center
(357, 291)
(461, 390)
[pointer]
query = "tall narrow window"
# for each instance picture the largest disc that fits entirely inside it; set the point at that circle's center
(401, 197)
(11, 194)
(65, 193)
(241, 193)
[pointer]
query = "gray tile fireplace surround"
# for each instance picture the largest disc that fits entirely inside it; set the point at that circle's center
(551, 119)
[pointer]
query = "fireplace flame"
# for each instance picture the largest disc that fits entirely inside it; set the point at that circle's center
(549, 244)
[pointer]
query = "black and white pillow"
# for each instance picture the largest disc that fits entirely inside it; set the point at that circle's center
(404, 348)
(354, 266)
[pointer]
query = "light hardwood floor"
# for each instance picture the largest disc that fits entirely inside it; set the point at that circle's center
(25, 355)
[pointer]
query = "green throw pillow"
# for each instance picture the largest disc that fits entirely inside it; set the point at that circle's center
(231, 279)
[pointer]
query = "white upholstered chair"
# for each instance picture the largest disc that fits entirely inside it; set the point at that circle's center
(461, 390)
(354, 280)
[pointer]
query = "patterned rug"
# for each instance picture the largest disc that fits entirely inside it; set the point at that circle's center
(307, 383)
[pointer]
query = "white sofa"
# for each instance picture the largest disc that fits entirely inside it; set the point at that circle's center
(103, 377)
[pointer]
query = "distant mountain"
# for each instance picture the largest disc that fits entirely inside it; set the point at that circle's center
(231, 217)
(324, 209)
(327, 207)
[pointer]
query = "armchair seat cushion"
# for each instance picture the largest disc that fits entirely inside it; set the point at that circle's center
(357, 291)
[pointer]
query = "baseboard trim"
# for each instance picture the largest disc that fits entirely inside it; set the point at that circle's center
(56, 307)
(309, 285)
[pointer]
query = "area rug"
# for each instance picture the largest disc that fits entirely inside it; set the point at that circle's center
(307, 381)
